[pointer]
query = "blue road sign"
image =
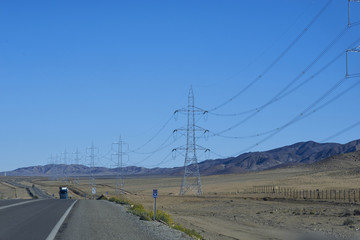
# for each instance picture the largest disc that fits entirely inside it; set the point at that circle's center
(155, 193)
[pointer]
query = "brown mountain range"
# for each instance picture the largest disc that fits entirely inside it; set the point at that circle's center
(296, 154)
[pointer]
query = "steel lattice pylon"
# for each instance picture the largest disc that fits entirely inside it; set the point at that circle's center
(119, 183)
(191, 180)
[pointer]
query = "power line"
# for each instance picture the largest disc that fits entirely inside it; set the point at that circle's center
(341, 131)
(267, 48)
(154, 136)
(283, 92)
(276, 60)
(165, 160)
(306, 112)
(161, 147)
(298, 77)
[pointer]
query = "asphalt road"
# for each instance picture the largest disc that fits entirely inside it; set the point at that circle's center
(88, 219)
(34, 220)
(12, 201)
(91, 219)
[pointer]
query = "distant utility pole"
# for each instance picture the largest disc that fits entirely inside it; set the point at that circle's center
(348, 51)
(191, 179)
(56, 170)
(349, 7)
(77, 156)
(92, 183)
(119, 182)
(51, 159)
(65, 166)
(76, 161)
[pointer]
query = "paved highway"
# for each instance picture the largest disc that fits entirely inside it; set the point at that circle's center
(50, 219)
(32, 220)
(90, 219)
(12, 201)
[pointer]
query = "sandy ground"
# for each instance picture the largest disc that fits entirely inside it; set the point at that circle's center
(227, 210)
(8, 191)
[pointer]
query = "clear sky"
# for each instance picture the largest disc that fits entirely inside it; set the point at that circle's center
(77, 72)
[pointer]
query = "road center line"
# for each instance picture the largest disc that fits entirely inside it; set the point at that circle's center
(59, 223)
(20, 203)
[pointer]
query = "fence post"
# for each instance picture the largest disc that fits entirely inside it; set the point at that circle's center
(354, 196)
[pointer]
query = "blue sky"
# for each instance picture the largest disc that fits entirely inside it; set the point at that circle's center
(76, 73)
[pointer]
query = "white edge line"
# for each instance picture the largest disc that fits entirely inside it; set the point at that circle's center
(20, 203)
(59, 223)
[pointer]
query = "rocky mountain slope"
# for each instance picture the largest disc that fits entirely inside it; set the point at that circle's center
(299, 153)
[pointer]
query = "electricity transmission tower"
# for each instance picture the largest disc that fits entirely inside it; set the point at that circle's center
(191, 180)
(52, 160)
(64, 173)
(56, 172)
(92, 183)
(119, 182)
(353, 50)
(76, 161)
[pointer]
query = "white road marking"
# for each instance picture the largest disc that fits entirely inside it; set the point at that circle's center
(20, 203)
(59, 223)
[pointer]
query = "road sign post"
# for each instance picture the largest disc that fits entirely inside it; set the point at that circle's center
(155, 193)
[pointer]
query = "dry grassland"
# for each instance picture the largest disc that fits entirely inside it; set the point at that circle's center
(227, 210)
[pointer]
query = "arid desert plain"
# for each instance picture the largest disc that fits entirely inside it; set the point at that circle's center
(318, 201)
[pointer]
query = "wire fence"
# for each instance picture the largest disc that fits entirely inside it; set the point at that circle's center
(338, 195)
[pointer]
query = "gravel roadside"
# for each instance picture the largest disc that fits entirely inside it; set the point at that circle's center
(90, 219)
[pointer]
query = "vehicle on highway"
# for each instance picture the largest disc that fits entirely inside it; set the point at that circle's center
(63, 192)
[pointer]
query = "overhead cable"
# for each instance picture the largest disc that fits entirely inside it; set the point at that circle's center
(341, 131)
(277, 59)
(307, 111)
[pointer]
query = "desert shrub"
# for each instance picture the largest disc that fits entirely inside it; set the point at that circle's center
(346, 213)
(139, 210)
(121, 201)
(356, 212)
(348, 222)
(191, 232)
(161, 215)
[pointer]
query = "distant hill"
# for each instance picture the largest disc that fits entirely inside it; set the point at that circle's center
(349, 161)
(296, 154)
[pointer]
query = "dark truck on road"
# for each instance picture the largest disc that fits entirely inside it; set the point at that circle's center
(63, 192)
